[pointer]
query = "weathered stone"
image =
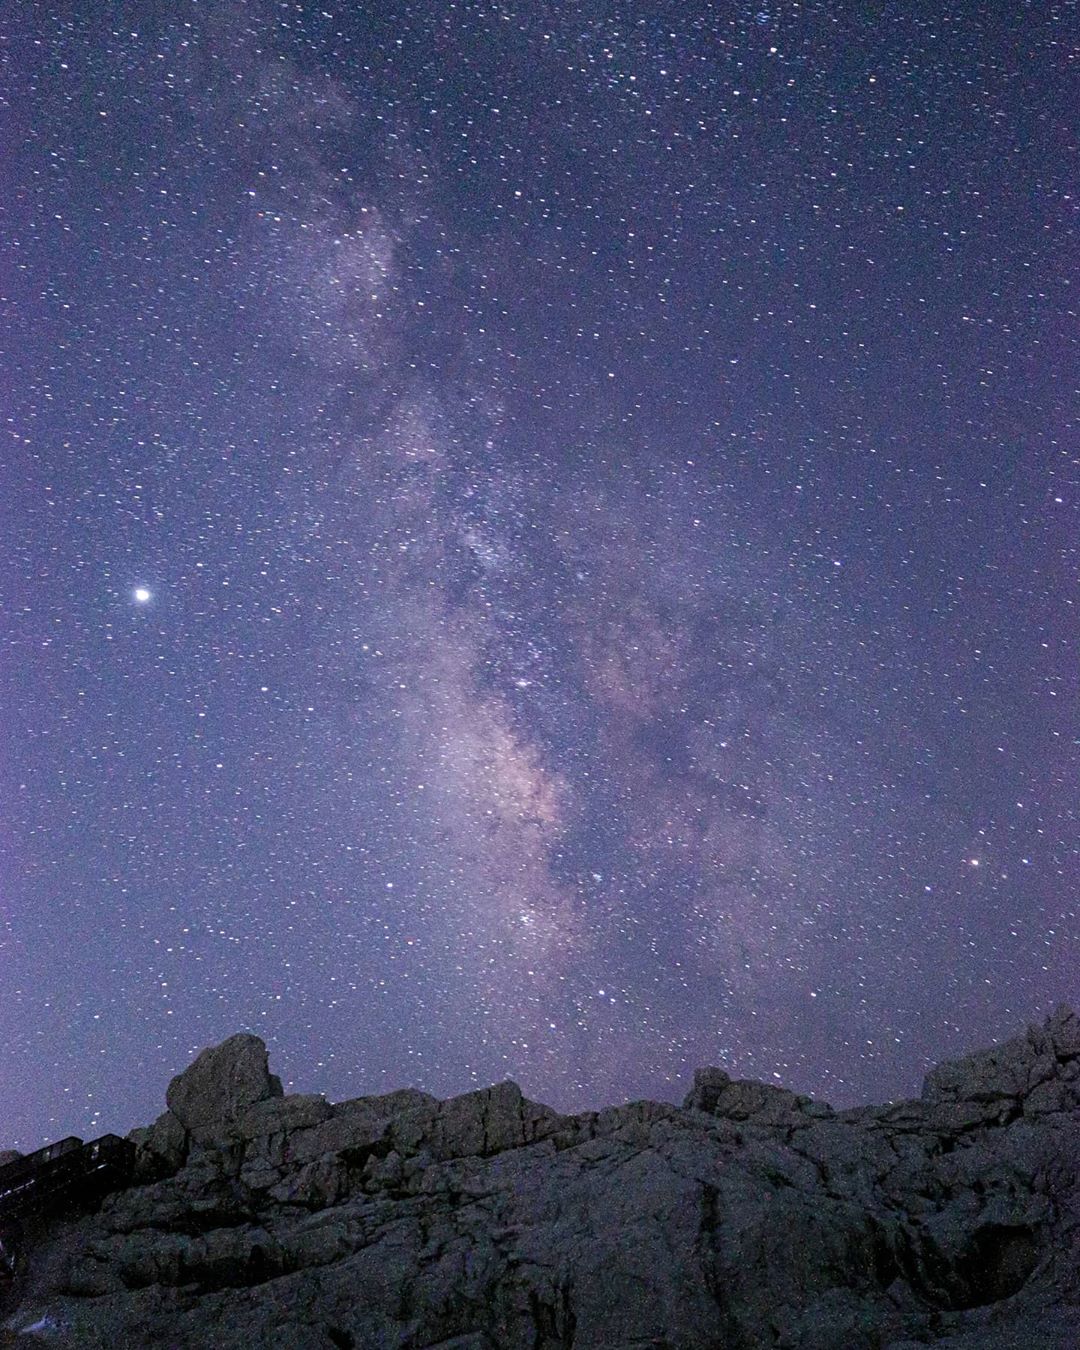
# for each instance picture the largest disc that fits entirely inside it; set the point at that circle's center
(750, 1217)
(355, 1133)
(277, 1115)
(215, 1091)
(954, 1117)
(1054, 1095)
(317, 1185)
(708, 1085)
(160, 1149)
(1063, 1030)
(760, 1102)
(1007, 1071)
(633, 1123)
(387, 1104)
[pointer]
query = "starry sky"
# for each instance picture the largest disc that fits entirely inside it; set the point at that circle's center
(540, 540)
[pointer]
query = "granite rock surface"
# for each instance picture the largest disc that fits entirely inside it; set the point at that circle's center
(748, 1217)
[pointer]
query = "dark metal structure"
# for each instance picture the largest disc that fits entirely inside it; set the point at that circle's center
(60, 1177)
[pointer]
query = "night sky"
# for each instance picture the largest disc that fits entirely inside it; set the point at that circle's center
(540, 540)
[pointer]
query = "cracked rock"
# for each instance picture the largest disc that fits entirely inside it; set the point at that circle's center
(748, 1217)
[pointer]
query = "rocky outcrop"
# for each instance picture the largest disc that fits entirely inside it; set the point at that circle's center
(211, 1096)
(749, 1217)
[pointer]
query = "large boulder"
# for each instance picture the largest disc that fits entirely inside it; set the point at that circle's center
(213, 1094)
(709, 1083)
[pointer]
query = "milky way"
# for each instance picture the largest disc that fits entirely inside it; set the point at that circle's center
(540, 542)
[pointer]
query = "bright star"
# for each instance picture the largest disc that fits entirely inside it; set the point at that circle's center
(142, 595)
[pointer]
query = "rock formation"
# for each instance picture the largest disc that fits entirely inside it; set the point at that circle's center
(749, 1217)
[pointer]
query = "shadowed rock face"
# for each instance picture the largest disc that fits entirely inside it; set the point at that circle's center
(749, 1217)
(210, 1096)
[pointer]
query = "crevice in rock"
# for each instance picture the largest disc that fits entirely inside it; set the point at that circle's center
(356, 1155)
(994, 1263)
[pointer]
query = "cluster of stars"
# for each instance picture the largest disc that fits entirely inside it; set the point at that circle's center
(537, 546)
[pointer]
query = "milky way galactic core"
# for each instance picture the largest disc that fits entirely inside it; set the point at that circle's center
(540, 541)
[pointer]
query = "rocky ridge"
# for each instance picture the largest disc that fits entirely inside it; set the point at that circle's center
(748, 1217)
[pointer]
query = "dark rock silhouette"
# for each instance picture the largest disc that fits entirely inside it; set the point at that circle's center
(749, 1217)
(209, 1098)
